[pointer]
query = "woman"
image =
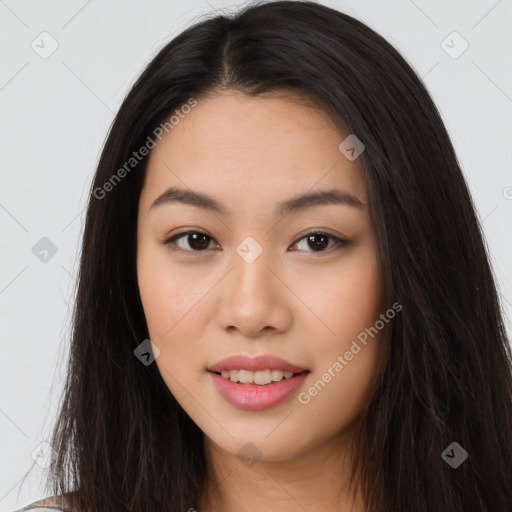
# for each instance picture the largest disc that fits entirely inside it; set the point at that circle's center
(285, 300)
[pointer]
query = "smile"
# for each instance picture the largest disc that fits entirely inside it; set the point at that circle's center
(261, 377)
(258, 396)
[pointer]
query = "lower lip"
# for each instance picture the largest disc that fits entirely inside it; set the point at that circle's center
(253, 397)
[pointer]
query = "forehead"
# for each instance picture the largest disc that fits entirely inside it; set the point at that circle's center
(233, 144)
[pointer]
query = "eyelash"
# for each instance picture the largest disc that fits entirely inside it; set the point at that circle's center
(341, 242)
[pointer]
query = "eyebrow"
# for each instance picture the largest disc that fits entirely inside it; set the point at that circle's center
(199, 200)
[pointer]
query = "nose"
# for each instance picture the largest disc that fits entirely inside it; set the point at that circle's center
(255, 300)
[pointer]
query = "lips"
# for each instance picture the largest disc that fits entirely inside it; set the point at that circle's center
(251, 397)
(261, 362)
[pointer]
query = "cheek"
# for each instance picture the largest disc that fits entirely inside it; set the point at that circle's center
(345, 300)
(356, 297)
(158, 294)
(168, 292)
(173, 298)
(168, 299)
(350, 304)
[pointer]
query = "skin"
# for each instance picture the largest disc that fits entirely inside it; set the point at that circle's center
(303, 305)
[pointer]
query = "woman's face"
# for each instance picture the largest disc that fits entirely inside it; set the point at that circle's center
(249, 281)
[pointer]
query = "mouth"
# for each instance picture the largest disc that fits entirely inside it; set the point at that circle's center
(259, 391)
(256, 383)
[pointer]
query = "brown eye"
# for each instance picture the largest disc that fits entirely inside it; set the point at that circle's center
(318, 241)
(196, 241)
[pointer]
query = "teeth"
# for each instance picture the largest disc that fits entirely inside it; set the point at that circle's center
(277, 375)
(260, 377)
(245, 377)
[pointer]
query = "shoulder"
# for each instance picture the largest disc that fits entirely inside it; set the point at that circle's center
(52, 504)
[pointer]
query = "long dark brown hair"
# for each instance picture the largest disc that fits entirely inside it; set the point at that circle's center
(122, 441)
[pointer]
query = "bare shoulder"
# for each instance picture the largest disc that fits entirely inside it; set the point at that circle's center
(53, 501)
(56, 503)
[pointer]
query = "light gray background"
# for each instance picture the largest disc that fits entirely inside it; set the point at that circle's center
(55, 113)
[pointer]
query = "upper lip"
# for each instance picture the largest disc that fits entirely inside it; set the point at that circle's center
(261, 362)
